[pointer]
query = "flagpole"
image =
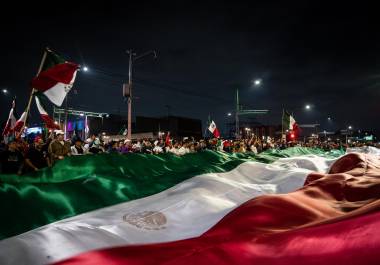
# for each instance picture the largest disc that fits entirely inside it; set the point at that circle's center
(282, 125)
(207, 124)
(33, 90)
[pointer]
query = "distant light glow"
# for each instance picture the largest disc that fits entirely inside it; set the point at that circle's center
(85, 68)
(81, 114)
(350, 127)
(307, 107)
(329, 118)
(5, 91)
(229, 114)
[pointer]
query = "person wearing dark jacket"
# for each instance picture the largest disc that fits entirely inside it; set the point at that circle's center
(12, 160)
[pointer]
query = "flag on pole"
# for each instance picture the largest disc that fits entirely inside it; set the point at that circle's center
(11, 122)
(167, 139)
(49, 122)
(20, 123)
(214, 130)
(56, 78)
(289, 121)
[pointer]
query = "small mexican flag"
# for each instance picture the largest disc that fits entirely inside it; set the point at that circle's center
(49, 122)
(289, 122)
(56, 78)
(11, 120)
(214, 130)
(20, 123)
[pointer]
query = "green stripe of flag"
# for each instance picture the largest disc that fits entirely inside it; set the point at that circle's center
(85, 183)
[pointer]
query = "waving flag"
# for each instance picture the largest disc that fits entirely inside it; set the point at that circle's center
(49, 122)
(56, 78)
(290, 124)
(288, 121)
(167, 139)
(11, 122)
(214, 130)
(20, 123)
(295, 206)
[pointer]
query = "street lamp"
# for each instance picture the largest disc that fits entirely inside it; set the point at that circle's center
(350, 127)
(229, 114)
(5, 91)
(329, 118)
(256, 82)
(85, 68)
(307, 107)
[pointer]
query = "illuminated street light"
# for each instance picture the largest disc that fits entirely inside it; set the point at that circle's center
(307, 107)
(85, 68)
(350, 127)
(256, 82)
(5, 91)
(329, 118)
(229, 114)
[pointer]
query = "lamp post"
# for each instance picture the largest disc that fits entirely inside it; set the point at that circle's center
(349, 128)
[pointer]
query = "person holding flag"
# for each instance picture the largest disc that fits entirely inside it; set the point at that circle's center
(214, 130)
(290, 124)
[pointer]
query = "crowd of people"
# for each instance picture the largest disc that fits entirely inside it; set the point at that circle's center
(19, 156)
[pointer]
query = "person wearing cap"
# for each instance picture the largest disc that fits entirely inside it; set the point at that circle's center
(12, 160)
(77, 148)
(124, 146)
(59, 148)
(157, 148)
(36, 158)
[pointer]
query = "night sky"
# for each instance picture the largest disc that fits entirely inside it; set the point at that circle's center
(322, 54)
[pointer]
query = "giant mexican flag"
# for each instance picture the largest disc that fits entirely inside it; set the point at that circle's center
(297, 206)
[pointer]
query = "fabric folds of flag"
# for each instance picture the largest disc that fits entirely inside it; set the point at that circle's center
(289, 122)
(174, 198)
(20, 123)
(167, 139)
(11, 122)
(291, 125)
(214, 130)
(56, 78)
(333, 219)
(49, 122)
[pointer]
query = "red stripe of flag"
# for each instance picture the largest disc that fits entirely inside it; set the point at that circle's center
(60, 73)
(333, 219)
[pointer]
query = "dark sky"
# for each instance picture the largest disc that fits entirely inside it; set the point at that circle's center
(310, 52)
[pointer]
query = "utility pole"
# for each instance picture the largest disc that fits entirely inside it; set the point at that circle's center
(241, 111)
(128, 92)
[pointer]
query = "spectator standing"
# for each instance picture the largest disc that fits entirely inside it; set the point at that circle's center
(12, 160)
(77, 148)
(36, 158)
(59, 148)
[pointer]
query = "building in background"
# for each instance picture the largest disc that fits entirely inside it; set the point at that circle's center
(148, 126)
